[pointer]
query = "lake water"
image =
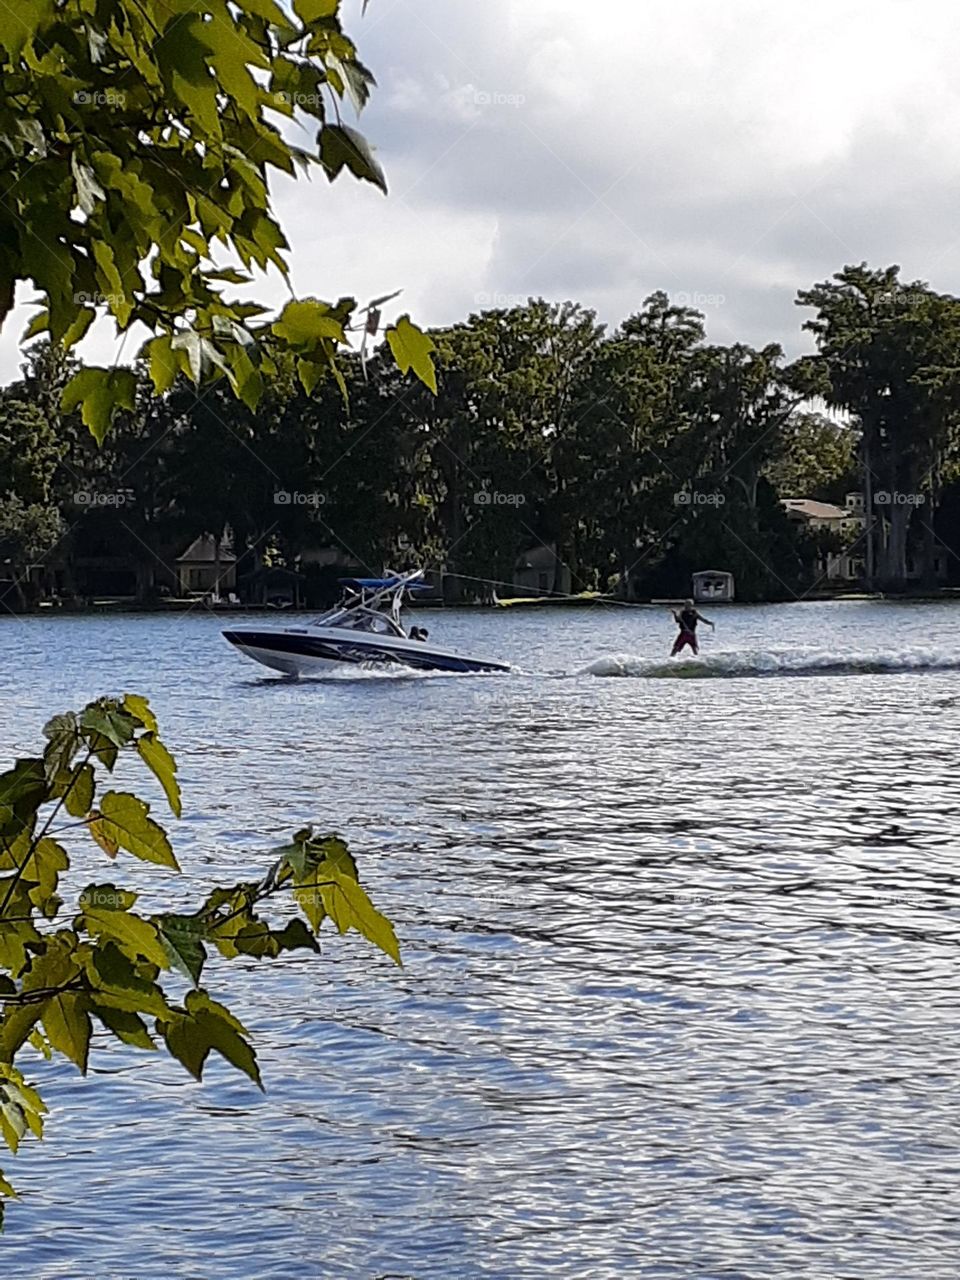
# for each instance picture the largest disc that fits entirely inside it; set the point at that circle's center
(680, 987)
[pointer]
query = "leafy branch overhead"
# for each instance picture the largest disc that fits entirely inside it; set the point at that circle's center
(62, 970)
(140, 139)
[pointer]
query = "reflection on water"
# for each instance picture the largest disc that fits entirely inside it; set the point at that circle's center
(679, 997)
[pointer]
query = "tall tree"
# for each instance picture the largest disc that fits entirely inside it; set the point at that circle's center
(30, 522)
(891, 355)
(496, 434)
(632, 423)
(814, 457)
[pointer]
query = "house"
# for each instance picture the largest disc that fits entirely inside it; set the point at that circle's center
(847, 522)
(541, 571)
(197, 571)
(714, 585)
(826, 515)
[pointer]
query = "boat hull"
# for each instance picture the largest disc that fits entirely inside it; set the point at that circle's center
(319, 650)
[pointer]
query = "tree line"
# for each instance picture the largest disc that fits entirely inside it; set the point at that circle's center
(637, 455)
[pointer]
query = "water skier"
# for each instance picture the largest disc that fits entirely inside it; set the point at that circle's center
(687, 620)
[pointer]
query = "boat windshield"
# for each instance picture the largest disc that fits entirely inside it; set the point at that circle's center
(371, 620)
(379, 616)
(372, 604)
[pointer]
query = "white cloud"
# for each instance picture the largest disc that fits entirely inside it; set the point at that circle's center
(604, 150)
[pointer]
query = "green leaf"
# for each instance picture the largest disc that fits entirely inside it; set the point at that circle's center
(22, 790)
(108, 719)
(342, 147)
(106, 895)
(37, 1040)
(232, 276)
(67, 1025)
(306, 322)
(100, 392)
(131, 933)
(311, 10)
(183, 938)
(332, 851)
(52, 964)
(98, 829)
(182, 53)
(109, 276)
(140, 707)
(89, 190)
(119, 984)
(233, 51)
(84, 319)
(42, 866)
(164, 365)
(188, 341)
(19, 24)
(21, 1108)
(269, 10)
(31, 131)
(310, 897)
(17, 934)
(78, 795)
(357, 80)
(349, 907)
(39, 324)
(123, 819)
(245, 377)
(309, 374)
(411, 349)
(126, 1026)
(63, 737)
(61, 726)
(205, 1025)
(159, 760)
(296, 936)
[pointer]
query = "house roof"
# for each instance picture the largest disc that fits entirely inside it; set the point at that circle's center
(814, 510)
(201, 551)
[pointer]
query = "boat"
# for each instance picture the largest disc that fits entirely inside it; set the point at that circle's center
(365, 627)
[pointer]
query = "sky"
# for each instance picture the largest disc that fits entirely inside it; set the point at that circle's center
(729, 154)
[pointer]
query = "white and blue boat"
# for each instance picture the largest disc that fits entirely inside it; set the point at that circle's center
(366, 627)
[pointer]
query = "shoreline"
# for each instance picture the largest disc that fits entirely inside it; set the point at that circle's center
(126, 606)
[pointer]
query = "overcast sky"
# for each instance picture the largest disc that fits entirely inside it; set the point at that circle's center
(729, 153)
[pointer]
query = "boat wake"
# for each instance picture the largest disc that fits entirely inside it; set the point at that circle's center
(383, 671)
(774, 662)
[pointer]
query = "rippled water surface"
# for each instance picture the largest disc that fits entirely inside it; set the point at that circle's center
(680, 983)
